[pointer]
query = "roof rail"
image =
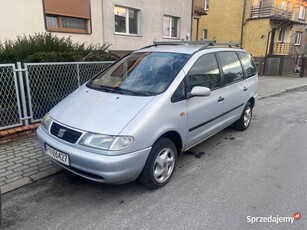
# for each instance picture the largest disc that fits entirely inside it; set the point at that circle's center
(229, 44)
(204, 44)
(181, 42)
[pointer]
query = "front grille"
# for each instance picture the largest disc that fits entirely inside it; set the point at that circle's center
(64, 133)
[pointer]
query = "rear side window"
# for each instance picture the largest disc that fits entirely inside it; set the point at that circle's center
(248, 64)
(205, 72)
(231, 67)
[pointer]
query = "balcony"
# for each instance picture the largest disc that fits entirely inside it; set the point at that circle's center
(271, 11)
(199, 11)
(282, 48)
(199, 8)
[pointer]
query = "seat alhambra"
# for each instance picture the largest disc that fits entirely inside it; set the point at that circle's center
(132, 120)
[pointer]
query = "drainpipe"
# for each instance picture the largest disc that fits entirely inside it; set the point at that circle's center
(192, 19)
(103, 26)
(243, 18)
(270, 35)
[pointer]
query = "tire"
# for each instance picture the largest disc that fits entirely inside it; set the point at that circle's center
(160, 164)
(245, 119)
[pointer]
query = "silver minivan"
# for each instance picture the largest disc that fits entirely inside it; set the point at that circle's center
(132, 120)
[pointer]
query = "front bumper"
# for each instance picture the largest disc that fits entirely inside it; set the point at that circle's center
(116, 169)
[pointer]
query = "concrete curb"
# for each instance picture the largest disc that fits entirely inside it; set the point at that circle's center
(28, 180)
(281, 92)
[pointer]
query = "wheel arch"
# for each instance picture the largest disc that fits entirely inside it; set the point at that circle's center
(175, 138)
(252, 101)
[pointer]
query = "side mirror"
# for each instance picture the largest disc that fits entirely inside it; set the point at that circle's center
(200, 91)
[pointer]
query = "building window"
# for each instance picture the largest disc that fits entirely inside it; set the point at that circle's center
(126, 20)
(205, 34)
(63, 16)
(298, 38)
(206, 4)
(281, 35)
(66, 24)
(171, 27)
(302, 13)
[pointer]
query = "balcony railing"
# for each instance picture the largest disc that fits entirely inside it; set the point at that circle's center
(272, 11)
(282, 48)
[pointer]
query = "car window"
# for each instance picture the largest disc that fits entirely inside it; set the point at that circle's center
(180, 93)
(141, 73)
(205, 72)
(231, 67)
(248, 64)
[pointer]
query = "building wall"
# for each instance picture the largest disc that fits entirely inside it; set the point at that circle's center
(151, 21)
(20, 17)
(224, 20)
(26, 17)
(256, 34)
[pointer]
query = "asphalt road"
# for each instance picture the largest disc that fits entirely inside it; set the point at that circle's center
(258, 173)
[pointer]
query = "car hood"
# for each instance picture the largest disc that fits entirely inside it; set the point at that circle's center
(99, 112)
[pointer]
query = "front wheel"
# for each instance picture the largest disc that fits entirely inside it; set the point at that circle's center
(245, 119)
(160, 164)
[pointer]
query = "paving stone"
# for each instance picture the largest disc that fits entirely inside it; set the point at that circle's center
(30, 169)
(21, 168)
(11, 175)
(26, 162)
(14, 166)
(13, 179)
(6, 173)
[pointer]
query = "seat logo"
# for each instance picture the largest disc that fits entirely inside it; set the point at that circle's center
(61, 133)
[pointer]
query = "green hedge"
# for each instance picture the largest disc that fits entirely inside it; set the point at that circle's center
(45, 47)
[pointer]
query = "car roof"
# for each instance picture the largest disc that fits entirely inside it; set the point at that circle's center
(185, 48)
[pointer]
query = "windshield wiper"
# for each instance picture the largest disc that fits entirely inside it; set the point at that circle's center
(121, 90)
(127, 91)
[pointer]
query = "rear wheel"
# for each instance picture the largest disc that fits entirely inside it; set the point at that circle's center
(160, 164)
(245, 119)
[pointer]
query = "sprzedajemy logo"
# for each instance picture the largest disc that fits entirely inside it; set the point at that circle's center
(273, 219)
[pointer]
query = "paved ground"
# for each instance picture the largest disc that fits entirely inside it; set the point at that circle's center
(23, 162)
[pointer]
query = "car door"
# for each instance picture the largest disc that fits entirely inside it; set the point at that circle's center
(204, 112)
(234, 90)
(251, 76)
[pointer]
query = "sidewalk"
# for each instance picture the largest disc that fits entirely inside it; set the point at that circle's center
(272, 85)
(23, 161)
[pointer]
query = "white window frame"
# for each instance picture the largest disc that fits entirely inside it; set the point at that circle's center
(170, 26)
(138, 11)
(302, 13)
(206, 4)
(205, 34)
(298, 38)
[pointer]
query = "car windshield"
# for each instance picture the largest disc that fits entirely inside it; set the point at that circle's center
(140, 73)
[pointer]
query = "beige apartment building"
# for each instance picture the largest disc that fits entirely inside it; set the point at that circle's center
(125, 24)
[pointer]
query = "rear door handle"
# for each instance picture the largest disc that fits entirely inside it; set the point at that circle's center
(245, 88)
(220, 99)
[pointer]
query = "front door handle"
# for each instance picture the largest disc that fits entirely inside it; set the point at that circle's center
(220, 99)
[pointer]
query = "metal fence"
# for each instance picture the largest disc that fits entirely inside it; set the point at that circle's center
(28, 91)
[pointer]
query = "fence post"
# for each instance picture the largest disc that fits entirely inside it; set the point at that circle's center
(22, 93)
(78, 75)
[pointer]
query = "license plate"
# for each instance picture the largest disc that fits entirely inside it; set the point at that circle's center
(57, 155)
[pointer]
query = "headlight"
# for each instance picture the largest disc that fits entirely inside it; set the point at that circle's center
(46, 122)
(106, 142)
